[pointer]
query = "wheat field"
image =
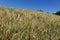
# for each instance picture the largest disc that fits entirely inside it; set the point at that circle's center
(19, 24)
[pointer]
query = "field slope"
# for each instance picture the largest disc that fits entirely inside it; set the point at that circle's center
(19, 24)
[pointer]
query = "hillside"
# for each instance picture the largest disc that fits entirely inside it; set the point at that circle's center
(16, 24)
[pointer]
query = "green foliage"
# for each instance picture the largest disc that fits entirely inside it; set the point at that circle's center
(40, 10)
(57, 13)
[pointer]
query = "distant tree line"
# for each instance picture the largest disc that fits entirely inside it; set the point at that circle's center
(57, 13)
(40, 10)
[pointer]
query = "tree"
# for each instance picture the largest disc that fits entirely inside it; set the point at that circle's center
(40, 10)
(57, 13)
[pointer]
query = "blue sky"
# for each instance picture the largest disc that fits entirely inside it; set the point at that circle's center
(45, 5)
